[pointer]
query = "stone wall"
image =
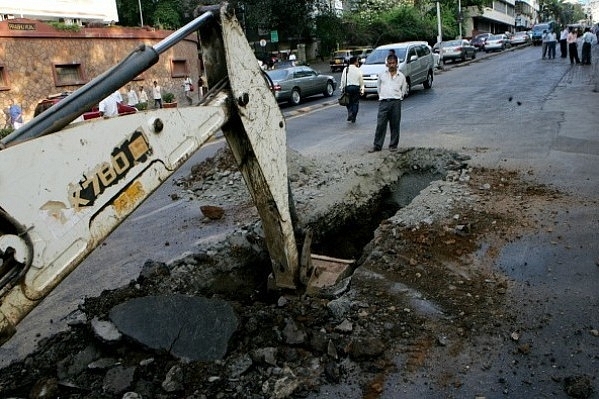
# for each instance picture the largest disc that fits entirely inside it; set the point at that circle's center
(29, 51)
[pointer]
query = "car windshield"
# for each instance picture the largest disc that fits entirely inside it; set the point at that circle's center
(339, 54)
(541, 27)
(379, 56)
(496, 37)
(278, 74)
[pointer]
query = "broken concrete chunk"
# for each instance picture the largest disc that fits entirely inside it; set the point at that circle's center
(191, 328)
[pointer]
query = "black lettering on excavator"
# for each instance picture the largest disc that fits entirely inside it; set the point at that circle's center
(132, 151)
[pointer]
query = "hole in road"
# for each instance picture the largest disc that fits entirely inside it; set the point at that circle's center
(346, 235)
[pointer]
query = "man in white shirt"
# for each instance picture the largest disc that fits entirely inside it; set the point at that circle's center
(157, 95)
(352, 83)
(551, 44)
(132, 98)
(563, 42)
(391, 87)
(109, 106)
(588, 39)
(187, 89)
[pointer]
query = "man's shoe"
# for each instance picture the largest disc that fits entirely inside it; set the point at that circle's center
(374, 149)
(392, 149)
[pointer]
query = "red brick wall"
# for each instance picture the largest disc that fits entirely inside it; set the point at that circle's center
(28, 56)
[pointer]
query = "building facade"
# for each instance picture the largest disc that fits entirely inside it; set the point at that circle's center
(78, 12)
(37, 60)
(498, 17)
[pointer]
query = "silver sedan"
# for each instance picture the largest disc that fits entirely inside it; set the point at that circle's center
(295, 83)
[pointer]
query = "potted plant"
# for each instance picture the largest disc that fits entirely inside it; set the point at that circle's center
(169, 100)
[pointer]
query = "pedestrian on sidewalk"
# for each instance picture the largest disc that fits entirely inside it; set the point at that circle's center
(157, 95)
(352, 83)
(588, 39)
(16, 114)
(572, 46)
(545, 43)
(132, 98)
(563, 42)
(551, 43)
(187, 88)
(391, 88)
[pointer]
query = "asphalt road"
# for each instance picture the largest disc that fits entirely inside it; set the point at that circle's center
(509, 110)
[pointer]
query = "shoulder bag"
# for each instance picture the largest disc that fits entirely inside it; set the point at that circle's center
(344, 99)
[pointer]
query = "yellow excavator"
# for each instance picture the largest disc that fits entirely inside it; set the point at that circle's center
(76, 182)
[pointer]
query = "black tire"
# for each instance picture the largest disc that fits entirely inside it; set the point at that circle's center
(329, 90)
(296, 96)
(409, 88)
(428, 83)
(473, 54)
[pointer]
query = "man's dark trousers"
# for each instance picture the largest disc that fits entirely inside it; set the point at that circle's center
(389, 113)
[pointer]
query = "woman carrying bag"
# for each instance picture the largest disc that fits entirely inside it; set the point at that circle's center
(352, 84)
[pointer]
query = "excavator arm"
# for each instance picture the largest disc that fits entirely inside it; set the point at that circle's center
(65, 186)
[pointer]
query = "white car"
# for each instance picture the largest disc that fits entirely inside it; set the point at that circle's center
(415, 61)
(497, 43)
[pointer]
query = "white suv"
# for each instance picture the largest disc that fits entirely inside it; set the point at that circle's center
(415, 61)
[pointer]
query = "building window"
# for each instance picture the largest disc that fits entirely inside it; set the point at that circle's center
(179, 68)
(3, 78)
(68, 74)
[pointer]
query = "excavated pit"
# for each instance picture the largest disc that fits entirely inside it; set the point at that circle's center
(415, 222)
(346, 238)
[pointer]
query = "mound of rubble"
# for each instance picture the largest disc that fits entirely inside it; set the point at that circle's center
(206, 326)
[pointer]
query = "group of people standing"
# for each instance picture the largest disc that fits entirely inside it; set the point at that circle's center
(569, 45)
(139, 99)
(391, 88)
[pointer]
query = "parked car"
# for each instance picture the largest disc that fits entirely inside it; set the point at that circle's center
(497, 43)
(92, 113)
(520, 38)
(295, 83)
(415, 61)
(479, 40)
(340, 58)
(453, 50)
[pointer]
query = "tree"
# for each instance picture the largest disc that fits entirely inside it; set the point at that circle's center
(166, 14)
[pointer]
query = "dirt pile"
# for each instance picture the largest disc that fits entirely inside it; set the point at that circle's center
(424, 291)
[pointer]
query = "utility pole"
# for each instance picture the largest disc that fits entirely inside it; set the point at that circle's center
(141, 16)
(460, 19)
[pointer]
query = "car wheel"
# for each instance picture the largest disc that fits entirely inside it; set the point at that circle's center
(328, 91)
(473, 54)
(409, 88)
(296, 97)
(428, 83)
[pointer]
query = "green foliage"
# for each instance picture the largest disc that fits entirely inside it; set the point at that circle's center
(64, 27)
(142, 106)
(397, 24)
(329, 29)
(166, 16)
(5, 132)
(168, 97)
